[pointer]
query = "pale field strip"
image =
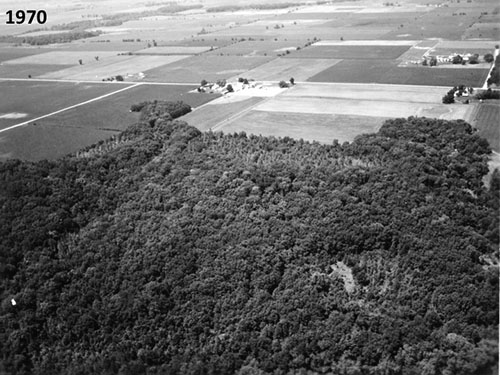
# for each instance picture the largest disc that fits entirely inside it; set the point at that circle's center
(311, 127)
(116, 65)
(283, 69)
(378, 92)
(374, 108)
(366, 43)
(64, 58)
(68, 108)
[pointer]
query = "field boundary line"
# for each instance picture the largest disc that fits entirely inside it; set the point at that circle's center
(68, 108)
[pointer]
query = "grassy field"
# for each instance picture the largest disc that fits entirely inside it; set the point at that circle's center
(219, 111)
(23, 71)
(47, 142)
(11, 53)
(173, 50)
(351, 52)
(323, 128)
(82, 126)
(486, 120)
(392, 93)
(359, 107)
(383, 71)
(64, 58)
(39, 98)
(112, 66)
(211, 68)
(282, 69)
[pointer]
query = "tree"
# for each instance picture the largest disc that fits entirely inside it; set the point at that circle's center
(203, 82)
(488, 58)
(448, 98)
(229, 88)
(283, 84)
(457, 59)
(119, 78)
(424, 62)
(433, 61)
(292, 81)
(80, 61)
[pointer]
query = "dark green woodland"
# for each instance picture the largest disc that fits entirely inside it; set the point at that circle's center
(169, 251)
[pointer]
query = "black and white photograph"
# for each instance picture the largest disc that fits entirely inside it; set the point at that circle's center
(249, 187)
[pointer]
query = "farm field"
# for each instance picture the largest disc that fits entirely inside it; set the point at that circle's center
(322, 128)
(486, 120)
(64, 58)
(33, 99)
(11, 53)
(112, 66)
(48, 142)
(172, 50)
(375, 108)
(392, 93)
(70, 130)
(208, 67)
(219, 111)
(24, 71)
(350, 52)
(383, 71)
(260, 47)
(369, 46)
(282, 69)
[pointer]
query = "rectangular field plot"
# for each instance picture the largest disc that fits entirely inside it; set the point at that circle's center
(47, 142)
(172, 50)
(210, 68)
(351, 52)
(375, 108)
(393, 93)
(486, 119)
(282, 69)
(366, 43)
(220, 112)
(379, 71)
(323, 128)
(24, 71)
(10, 53)
(25, 100)
(63, 58)
(112, 66)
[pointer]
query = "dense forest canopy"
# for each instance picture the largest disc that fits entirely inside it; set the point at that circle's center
(170, 251)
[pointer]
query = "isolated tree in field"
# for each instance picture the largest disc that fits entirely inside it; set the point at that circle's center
(230, 88)
(203, 82)
(488, 58)
(292, 81)
(119, 78)
(80, 61)
(96, 58)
